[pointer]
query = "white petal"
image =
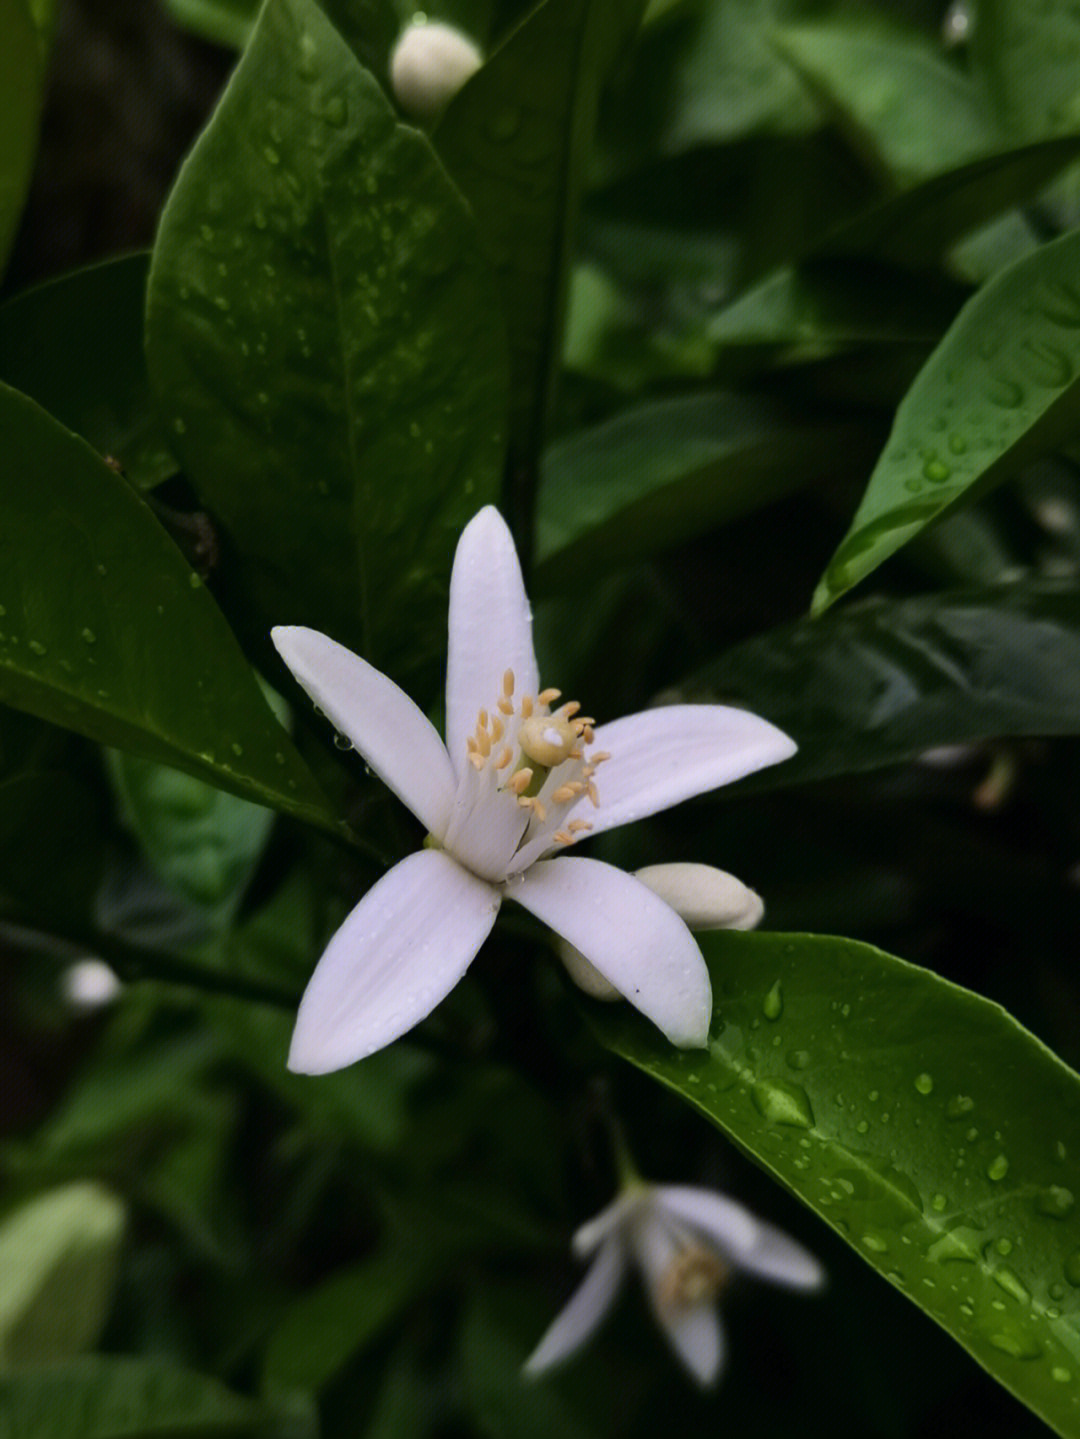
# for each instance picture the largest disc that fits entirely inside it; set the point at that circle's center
(581, 1317)
(392, 733)
(663, 756)
(693, 1330)
(695, 1334)
(731, 1227)
(778, 1257)
(400, 951)
(595, 1230)
(636, 942)
(490, 628)
(706, 898)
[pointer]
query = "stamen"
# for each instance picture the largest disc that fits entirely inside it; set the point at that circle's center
(590, 734)
(519, 782)
(570, 709)
(576, 754)
(483, 741)
(548, 697)
(561, 837)
(565, 792)
(482, 722)
(477, 761)
(578, 826)
(526, 706)
(599, 757)
(539, 811)
(508, 683)
(506, 707)
(496, 728)
(471, 745)
(593, 794)
(504, 759)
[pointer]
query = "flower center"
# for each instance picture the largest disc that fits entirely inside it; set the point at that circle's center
(694, 1275)
(538, 756)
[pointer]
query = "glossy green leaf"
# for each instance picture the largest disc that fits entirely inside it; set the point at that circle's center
(21, 71)
(58, 1256)
(225, 22)
(75, 345)
(109, 1397)
(666, 470)
(516, 139)
(901, 105)
(324, 337)
(1000, 389)
(107, 631)
(881, 681)
(931, 1131)
(204, 842)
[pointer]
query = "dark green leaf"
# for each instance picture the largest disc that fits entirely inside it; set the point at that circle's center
(885, 680)
(1027, 55)
(937, 1136)
(325, 341)
(516, 139)
(57, 1270)
(118, 1398)
(21, 67)
(75, 346)
(901, 105)
(106, 630)
(1000, 389)
(667, 470)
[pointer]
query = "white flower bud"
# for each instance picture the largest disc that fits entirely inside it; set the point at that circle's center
(430, 63)
(90, 984)
(703, 897)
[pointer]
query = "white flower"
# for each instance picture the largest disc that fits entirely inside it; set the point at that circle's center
(686, 1242)
(703, 897)
(512, 785)
(430, 63)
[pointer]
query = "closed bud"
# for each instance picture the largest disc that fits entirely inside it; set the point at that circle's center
(430, 63)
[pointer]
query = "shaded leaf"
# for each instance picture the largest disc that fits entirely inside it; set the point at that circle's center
(107, 631)
(931, 1131)
(1000, 389)
(21, 73)
(75, 346)
(326, 343)
(885, 680)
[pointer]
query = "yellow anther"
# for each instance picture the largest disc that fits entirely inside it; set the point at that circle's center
(563, 793)
(576, 753)
(506, 707)
(561, 837)
(482, 721)
(570, 710)
(471, 745)
(548, 697)
(504, 759)
(578, 826)
(694, 1275)
(539, 811)
(483, 742)
(477, 761)
(526, 706)
(593, 795)
(508, 683)
(589, 734)
(519, 782)
(599, 757)
(496, 727)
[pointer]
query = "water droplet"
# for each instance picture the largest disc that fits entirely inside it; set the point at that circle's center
(924, 1083)
(306, 63)
(1012, 1284)
(1004, 391)
(1060, 1375)
(957, 444)
(1048, 365)
(259, 220)
(954, 1247)
(271, 155)
(1017, 1345)
(222, 303)
(936, 471)
(862, 1127)
(88, 635)
(875, 1242)
(237, 749)
(279, 758)
(194, 581)
(342, 743)
(939, 1203)
(958, 1106)
(37, 648)
(787, 1104)
(1055, 1201)
(101, 568)
(336, 111)
(798, 1058)
(997, 1168)
(178, 425)
(772, 1006)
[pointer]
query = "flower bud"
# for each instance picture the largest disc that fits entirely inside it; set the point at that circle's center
(430, 63)
(703, 897)
(90, 984)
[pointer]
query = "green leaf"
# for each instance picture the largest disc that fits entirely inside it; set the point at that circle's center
(902, 106)
(885, 680)
(330, 1324)
(224, 22)
(204, 842)
(325, 340)
(516, 139)
(999, 390)
(120, 1398)
(75, 346)
(57, 1270)
(107, 631)
(21, 69)
(931, 1131)
(668, 469)
(1027, 57)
